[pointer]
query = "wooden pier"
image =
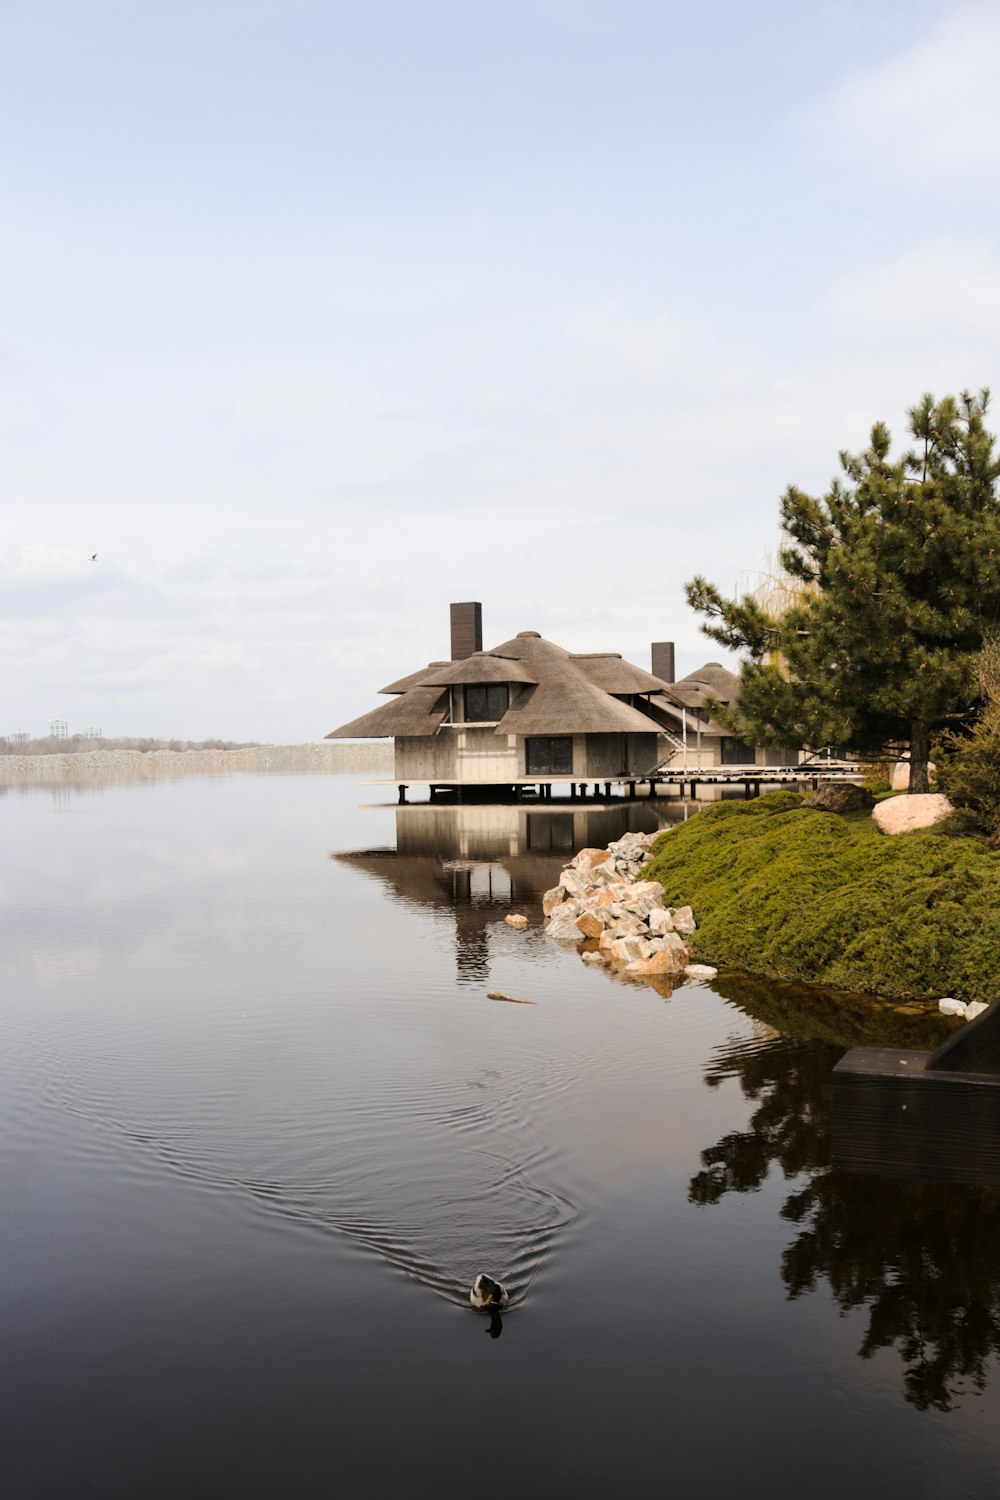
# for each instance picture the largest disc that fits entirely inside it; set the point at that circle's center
(652, 783)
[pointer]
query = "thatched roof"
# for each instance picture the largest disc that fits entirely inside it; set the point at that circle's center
(483, 667)
(415, 678)
(609, 671)
(420, 711)
(553, 692)
(564, 700)
(716, 679)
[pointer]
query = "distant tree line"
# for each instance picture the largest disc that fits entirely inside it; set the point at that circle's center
(80, 744)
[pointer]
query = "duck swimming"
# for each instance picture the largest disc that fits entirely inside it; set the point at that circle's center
(488, 1293)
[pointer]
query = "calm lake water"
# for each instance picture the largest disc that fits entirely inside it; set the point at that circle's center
(260, 1127)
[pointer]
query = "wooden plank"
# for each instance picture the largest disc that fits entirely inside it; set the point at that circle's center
(893, 1117)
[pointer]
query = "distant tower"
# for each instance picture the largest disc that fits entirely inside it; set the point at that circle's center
(58, 729)
(93, 732)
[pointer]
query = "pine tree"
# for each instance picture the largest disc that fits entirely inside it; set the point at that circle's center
(901, 562)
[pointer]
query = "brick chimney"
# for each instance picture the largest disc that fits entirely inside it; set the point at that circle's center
(663, 660)
(466, 630)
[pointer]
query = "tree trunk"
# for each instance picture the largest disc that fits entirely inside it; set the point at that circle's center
(920, 751)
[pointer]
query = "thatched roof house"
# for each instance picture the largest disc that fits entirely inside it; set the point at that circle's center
(529, 710)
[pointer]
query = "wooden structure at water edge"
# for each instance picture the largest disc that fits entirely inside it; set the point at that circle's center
(923, 1114)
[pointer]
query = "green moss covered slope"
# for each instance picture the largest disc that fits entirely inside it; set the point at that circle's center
(791, 893)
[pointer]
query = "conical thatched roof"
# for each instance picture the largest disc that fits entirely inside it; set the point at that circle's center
(564, 700)
(483, 667)
(716, 679)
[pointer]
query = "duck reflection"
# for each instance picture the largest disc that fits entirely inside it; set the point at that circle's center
(919, 1256)
(480, 861)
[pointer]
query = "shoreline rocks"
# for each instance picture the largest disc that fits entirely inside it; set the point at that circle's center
(600, 900)
(949, 1006)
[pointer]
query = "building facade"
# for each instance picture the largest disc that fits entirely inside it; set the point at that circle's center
(531, 711)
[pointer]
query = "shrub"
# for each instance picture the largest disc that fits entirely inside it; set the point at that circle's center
(792, 894)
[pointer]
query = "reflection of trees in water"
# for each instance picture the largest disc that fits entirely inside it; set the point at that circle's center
(920, 1256)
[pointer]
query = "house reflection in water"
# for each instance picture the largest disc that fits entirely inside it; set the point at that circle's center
(480, 862)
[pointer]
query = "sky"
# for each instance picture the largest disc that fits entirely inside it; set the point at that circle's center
(320, 314)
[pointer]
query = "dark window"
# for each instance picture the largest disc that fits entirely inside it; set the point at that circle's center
(486, 704)
(549, 755)
(737, 753)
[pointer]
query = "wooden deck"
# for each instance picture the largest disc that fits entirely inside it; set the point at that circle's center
(923, 1114)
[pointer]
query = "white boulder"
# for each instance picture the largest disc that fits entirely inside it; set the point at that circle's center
(905, 814)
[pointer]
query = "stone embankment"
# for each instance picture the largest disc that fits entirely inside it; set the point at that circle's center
(623, 921)
(132, 765)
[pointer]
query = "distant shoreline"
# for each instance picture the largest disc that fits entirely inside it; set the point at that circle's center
(132, 765)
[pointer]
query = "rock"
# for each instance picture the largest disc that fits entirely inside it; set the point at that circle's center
(516, 919)
(660, 920)
(975, 1008)
(646, 898)
(586, 858)
(627, 926)
(840, 797)
(563, 932)
(608, 896)
(683, 919)
(671, 940)
(573, 882)
(951, 1007)
(552, 899)
(568, 911)
(593, 958)
(700, 971)
(511, 999)
(604, 943)
(590, 924)
(905, 814)
(666, 961)
(624, 950)
(605, 873)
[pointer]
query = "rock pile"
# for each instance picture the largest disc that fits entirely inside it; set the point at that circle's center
(599, 899)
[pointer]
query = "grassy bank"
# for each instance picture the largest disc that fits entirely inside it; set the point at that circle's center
(790, 893)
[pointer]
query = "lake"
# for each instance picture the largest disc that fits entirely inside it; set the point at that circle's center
(260, 1127)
